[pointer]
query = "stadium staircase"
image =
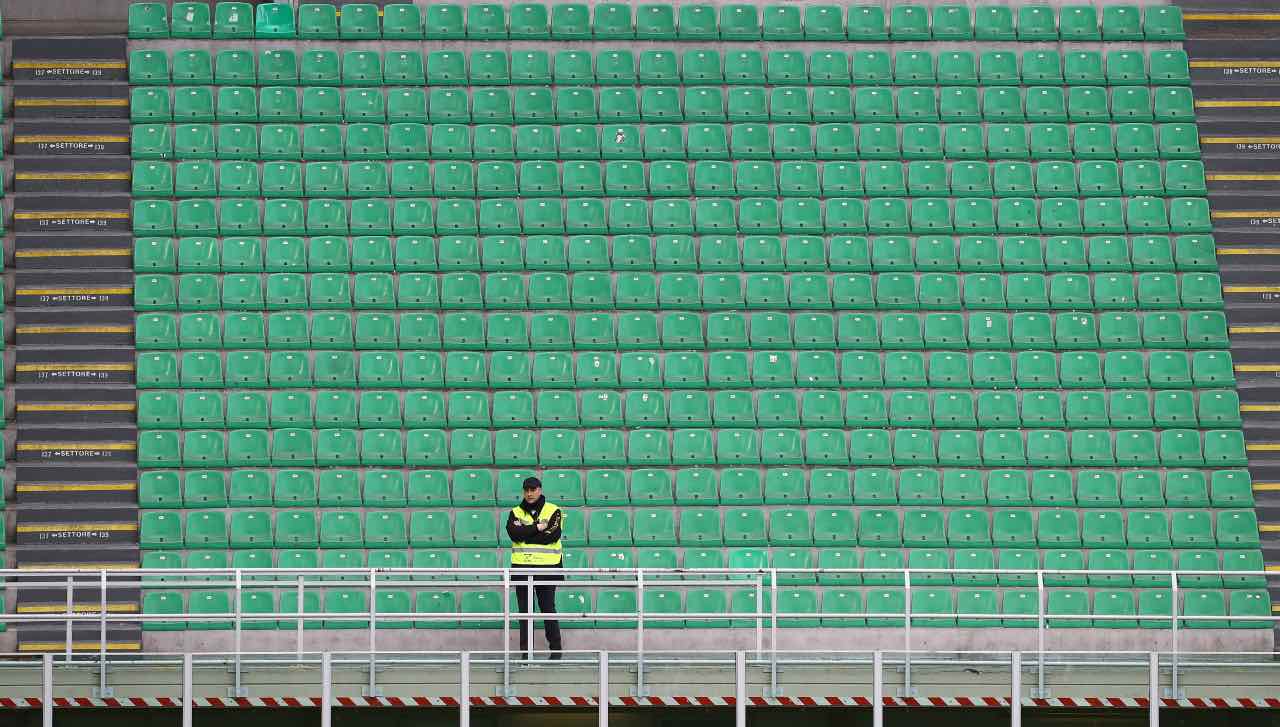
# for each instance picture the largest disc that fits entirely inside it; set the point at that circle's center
(75, 488)
(1235, 75)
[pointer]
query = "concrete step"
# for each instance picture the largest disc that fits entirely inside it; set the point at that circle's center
(77, 445)
(85, 328)
(85, 638)
(71, 174)
(55, 406)
(85, 364)
(88, 250)
(70, 137)
(42, 484)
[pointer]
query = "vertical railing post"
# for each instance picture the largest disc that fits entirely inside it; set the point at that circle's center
(1015, 689)
(464, 689)
(1174, 611)
(239, 635)
(877, 689)
(71, 610)
(301, 610)
(46, 690)
(1040, 625)
(326, 689)
(527, 616)
(773, 632)
(373, 633)
(640, 632)
(602, 705)
(188, 689)
(102, 633)
(759, 618)
(906, 634)
(740, 689)
(1153, 689)
(506, 632)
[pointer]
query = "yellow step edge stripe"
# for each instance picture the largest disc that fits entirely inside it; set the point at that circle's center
(74, 329)
(69, 138)
(1269, 528)
(1257, 368)
(1236, 104)
(1257, 447)
(1273, 568)
(65, 252)
(79, 646)
(1253, 329)
(78, 527)
(1238, 63)
(75, 367)
(1260, 407)
(1251, 288)
(1239, 214)
(1240, 139)
(83, 487)
(1233, 17)
(73, 291)
(76, 407)
(70, 64)
(35, 102)
(114, 447)
(85, 566)
(1242, 177)
(1229, 251)
(1266, 487)
(80, 608)
(71, 214)
(83, 176)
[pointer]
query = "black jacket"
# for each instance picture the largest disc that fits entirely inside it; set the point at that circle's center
(521, 533)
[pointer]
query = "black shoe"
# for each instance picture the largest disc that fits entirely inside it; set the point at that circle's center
(555, 655)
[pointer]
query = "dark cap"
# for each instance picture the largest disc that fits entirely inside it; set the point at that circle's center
(532, 483)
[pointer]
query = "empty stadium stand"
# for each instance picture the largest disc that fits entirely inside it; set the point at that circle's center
(917, 286)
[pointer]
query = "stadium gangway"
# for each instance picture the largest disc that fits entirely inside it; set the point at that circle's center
(765, 581)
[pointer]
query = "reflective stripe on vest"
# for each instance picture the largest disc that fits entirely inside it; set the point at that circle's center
(531, 553)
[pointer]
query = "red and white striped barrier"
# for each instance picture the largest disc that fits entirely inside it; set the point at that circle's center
(675, 701)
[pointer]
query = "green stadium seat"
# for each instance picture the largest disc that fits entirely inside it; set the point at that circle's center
(402, 21)
(1162, 23)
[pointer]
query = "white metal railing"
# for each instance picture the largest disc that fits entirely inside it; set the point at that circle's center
(1143, 673)
(81, 608)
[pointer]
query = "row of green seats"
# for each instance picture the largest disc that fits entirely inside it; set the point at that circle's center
(720, 290)
(322, 67)
(670, 253)
(699, 486)
(1101, 564)
(713, 608)
(740, 141)
(655, 21)
(749, 216)
(202, 409)
(716, 608)
(565, 447)
(551, 370)
(771, 330)
(666, 179)
(917, 527)
(666, 104)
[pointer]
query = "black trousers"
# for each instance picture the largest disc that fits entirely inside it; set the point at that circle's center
(544, 591)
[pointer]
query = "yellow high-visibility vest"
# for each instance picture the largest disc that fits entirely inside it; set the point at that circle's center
(534, 553)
